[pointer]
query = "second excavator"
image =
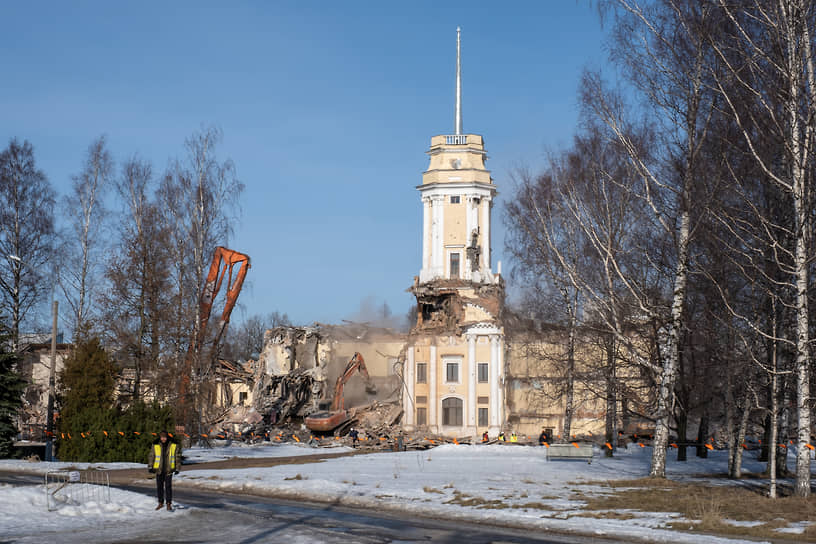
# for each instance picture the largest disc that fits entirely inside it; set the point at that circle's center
(336, 415)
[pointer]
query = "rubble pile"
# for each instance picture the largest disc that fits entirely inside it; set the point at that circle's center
(283, 397)
(378, 418)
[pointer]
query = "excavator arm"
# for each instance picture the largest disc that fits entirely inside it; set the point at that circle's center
(355, 363)
(223, 264)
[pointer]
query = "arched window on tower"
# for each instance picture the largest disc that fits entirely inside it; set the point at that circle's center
(452, 412)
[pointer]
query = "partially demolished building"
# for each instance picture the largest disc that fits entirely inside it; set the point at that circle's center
(454, 373)
(299, 365)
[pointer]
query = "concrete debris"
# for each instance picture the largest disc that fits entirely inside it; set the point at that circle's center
(240, 418)
(298, 367)
(283, 397)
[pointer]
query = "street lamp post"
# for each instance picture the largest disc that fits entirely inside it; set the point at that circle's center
(49, 423)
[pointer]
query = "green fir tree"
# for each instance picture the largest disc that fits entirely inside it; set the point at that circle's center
(86, 403)
(11, 398)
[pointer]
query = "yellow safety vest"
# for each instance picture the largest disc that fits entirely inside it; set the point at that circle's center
(513, 438)
(171, 456)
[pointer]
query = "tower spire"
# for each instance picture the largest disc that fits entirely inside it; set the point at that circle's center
(458, 116)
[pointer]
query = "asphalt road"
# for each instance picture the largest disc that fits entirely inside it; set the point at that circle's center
(231, 518)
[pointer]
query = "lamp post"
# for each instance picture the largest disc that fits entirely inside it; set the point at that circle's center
(49, 422)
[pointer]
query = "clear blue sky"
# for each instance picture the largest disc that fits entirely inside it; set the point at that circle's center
(327, 109)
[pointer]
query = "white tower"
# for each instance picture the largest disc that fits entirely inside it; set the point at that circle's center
(457, 195)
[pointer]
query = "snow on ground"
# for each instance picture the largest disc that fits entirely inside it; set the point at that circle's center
(505, 484)
(37, 467)
(495, 483)
(219, 452)
(24, 511)
(222, 451)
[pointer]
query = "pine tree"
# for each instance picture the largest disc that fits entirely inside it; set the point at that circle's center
(11, 398)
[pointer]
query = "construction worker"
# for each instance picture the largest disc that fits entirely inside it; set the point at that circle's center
(164, 461)
(485, 437)
(501, 436)
(543, 438)
(513, 437)
(354, 435)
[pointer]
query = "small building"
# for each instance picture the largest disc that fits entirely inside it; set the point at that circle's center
(35, 368)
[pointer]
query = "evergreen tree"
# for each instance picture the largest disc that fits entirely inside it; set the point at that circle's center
(92, 428)
(86, 403)
(11, 398)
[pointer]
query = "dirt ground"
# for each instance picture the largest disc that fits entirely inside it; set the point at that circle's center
(134, 475)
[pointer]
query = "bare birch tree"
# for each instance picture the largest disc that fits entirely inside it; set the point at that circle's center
(26, 233)
(138, 276)
(82, 244)
(664, 47)
(767, 53)
(200, 196)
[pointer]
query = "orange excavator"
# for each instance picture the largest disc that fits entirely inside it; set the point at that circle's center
(223, 262)
(336, 415)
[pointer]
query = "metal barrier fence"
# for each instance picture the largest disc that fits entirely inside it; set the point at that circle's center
(75, 487)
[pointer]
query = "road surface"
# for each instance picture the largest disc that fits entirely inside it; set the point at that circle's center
(230, 518)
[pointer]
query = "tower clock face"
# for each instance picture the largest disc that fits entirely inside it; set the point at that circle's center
(456, 163)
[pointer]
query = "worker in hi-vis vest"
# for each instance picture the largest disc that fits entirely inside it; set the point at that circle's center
(164, 461)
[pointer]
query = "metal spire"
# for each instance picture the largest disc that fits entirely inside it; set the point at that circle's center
(458, 118)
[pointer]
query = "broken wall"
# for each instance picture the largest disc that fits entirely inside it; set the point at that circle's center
(296, 357)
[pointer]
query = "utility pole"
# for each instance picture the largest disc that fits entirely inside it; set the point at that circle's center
(49, 423)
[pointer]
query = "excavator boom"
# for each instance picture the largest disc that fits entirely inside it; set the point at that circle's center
(223, 264)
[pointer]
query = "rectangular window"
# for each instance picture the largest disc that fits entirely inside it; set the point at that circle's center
(422, 372)
(452, 372)
(482, 417)
(483, 372)
(421, 399)
(422, 416)
(455, 200)
(482, 400)
(242, 397)
(452, 409)
(454, 265)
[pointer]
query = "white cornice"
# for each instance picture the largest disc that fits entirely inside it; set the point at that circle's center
(458, 188)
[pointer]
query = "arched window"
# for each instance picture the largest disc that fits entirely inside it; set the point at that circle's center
(452, 412)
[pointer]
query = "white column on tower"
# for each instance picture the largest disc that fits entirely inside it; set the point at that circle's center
(409, 400)
(432, 422)
(437, 252)
(469, 225)
(494, 384)
(435, 228)
(471, 405)
(426, 243)
(484, 225)
(500, 374)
